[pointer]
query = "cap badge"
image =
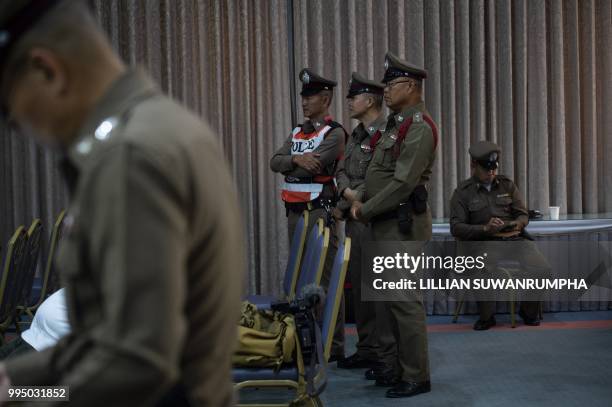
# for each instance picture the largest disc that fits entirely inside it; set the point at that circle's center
(386, 63)
(306, 78)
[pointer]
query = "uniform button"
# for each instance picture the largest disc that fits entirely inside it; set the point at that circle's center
(84, 147)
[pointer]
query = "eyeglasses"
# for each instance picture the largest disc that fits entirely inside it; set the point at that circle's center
(391, 85)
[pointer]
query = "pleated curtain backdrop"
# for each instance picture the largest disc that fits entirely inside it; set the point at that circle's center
(533, 76)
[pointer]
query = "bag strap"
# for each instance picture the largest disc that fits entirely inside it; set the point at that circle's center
(403, 131)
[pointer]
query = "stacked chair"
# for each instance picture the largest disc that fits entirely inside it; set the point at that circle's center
(310, 265)
(18, 272)
(47, 286)
(292, 376)
(30, 264)
(13, 264)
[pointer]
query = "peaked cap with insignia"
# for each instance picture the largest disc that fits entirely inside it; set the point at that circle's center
(358, 84)
(313, 83)
(486, 154)
(398, 68)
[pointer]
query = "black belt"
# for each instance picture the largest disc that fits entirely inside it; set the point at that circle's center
(304, 206)
(420, 192)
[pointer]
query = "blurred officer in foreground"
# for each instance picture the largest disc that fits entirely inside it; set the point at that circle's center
(488, 206)
(365, 98)
(151, 254)
(396, 205)
(308, 159)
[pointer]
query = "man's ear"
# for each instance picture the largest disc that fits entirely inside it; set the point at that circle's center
(48, 67)
(370, 102)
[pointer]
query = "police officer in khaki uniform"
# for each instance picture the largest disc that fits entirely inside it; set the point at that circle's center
(308, 160)
(396, 205)
(365, 98)
(488, 206)
(152, 250)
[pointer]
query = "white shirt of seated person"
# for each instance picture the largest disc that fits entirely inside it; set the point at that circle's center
(50, 322)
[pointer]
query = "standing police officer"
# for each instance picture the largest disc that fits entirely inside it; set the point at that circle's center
(365, 104)
(308, 159)
(488, 206)
(152, 253)
(396, 205)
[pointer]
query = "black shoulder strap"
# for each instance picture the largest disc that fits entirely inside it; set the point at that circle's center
(335, 125)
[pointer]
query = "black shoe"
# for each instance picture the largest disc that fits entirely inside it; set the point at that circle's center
(375, 371)
(371, 373)
(481, 325)
(527, 320)
(387, 379)
(408, 389)
(335, 358)
(354, 362)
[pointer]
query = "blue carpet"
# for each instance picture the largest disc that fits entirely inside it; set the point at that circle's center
(497, 368)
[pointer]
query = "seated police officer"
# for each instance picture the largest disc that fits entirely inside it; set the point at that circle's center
(489, 207)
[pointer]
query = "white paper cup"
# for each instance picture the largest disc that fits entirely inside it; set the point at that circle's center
(554, 212)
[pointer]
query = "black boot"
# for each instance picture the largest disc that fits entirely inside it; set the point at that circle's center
(528, 320)
(377, 369)
(354, 362)
(408, 389)
(483, 325)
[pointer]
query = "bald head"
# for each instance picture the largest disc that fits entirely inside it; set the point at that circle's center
(57, 70)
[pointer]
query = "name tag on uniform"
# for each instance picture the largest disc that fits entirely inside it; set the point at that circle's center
(503, 195)
(393, 136)
(366, 148)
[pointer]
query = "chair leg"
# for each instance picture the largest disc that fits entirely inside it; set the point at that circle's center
(457, 310)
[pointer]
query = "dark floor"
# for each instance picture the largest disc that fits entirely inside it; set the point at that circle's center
(565, 362)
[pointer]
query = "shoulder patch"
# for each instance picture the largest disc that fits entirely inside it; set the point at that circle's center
(465, 183)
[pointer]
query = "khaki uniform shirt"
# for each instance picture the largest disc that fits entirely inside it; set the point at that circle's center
(357, 156)
(329, 150)
(389, 180)
(151, 258)
(472, 206)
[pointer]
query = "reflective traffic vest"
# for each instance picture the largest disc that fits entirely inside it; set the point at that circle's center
(309, 188)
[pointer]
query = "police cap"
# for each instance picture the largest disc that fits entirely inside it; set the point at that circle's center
(358, 84)
(486, 154)
(313, 83)
(398, 68)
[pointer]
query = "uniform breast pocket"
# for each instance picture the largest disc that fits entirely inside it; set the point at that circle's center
(477, 206)
(503, 203)
(388, 156)
(364, 162)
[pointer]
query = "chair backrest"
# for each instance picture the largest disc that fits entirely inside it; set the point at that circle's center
(313, 270)
(295, 255)
(30, 263)
(311, 243)
(334, 295)
(13, 263)
(56, 235)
